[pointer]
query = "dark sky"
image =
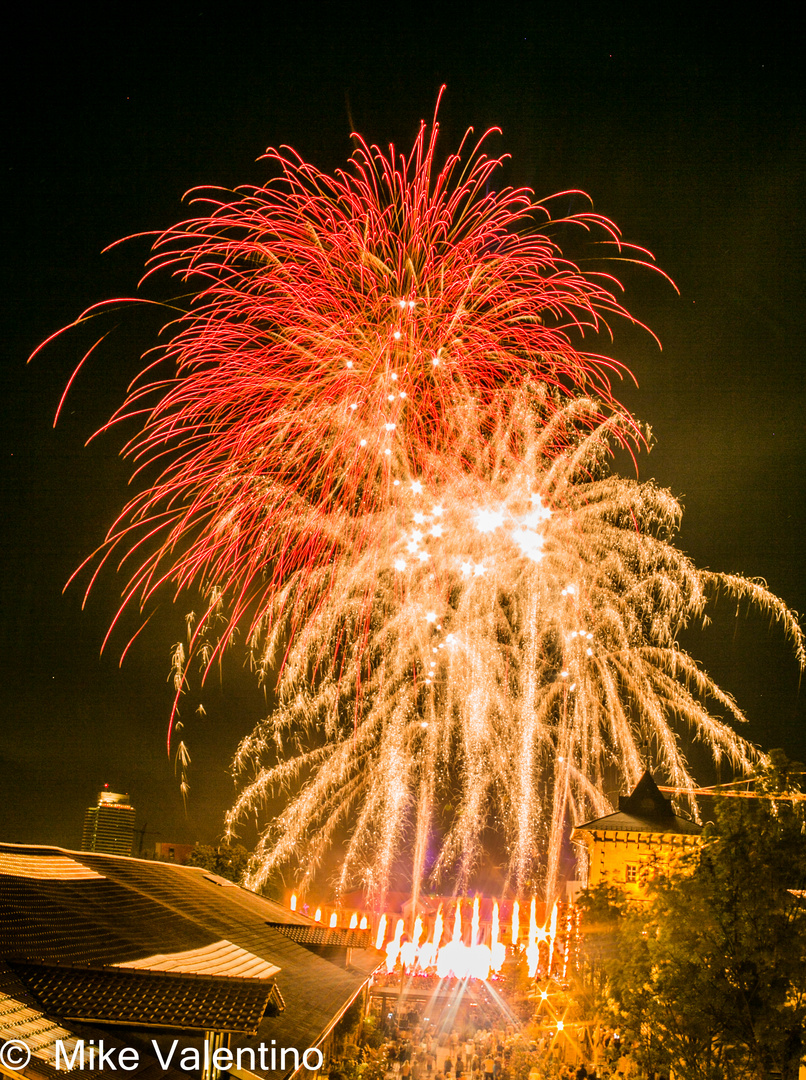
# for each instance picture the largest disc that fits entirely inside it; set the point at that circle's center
(690, 135)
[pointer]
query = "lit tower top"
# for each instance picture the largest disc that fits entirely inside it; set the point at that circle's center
(109, 825)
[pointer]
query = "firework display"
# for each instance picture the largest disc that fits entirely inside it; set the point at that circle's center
(381, 455)
(520, 650)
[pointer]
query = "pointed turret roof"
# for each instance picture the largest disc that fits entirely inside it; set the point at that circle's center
(645, 810)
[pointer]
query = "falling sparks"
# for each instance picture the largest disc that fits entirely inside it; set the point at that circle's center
(538, 679)
(381, 458)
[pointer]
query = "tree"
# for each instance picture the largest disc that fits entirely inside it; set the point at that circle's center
(227, 860)
(709, 976)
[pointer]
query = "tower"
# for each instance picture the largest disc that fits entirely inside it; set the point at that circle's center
(642, 838)
(109, 825)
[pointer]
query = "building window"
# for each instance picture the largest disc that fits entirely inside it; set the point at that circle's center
(632, 873)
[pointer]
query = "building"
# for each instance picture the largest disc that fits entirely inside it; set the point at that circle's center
(109, 825)
(175, 853)
(642, 838)
(171, 961)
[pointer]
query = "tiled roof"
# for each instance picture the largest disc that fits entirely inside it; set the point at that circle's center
(644, 810)
(50, 868)
(220, 958)
(21, 1018)
(132, 912)
(90, 921)
(325, 935)
(146, 998)
(620, 822)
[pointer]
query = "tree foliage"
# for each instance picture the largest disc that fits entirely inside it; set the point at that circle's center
(227, 860)
(709, 977)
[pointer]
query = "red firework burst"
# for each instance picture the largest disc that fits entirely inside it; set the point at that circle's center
(340, 327)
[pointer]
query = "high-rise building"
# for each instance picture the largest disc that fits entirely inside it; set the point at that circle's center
(109, 825)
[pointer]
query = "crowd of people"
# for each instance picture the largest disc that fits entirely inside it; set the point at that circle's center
(422, 1053)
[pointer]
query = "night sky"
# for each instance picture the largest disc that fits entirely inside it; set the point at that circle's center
(689, 135)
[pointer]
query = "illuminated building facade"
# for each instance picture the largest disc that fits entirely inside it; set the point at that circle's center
(109, 825)
(644, 837)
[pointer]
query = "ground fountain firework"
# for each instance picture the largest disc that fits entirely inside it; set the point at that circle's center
(381, 454)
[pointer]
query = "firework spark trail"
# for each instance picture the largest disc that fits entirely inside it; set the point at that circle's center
(342, 325)
(521, 611)
(380, 455)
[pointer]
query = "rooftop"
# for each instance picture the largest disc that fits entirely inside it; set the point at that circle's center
(87, 936)
(644, 810)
